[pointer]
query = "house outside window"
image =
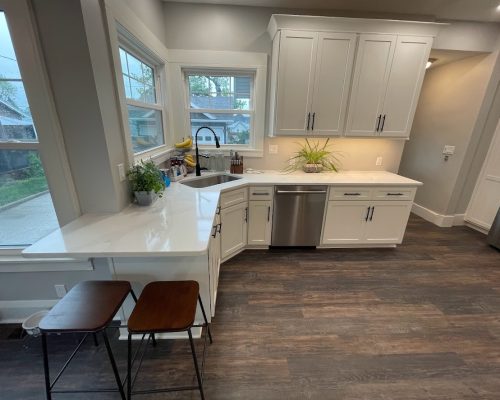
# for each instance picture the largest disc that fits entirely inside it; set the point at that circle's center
(143, 99)
(223, 101)
(26, 209)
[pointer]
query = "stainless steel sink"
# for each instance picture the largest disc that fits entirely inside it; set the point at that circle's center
(211, 180)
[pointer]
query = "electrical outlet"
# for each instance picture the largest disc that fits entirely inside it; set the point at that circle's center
(60, 290)
(121, 172)
(448, 150)
(379, 161)
(273, 149)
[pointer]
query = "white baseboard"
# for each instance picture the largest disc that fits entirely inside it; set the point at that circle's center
(16, 311)
(441, 220)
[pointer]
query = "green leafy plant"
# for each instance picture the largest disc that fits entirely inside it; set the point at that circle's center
(146, 177)
(314, 154)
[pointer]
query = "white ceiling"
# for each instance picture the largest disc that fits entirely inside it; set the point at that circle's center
(472, 10)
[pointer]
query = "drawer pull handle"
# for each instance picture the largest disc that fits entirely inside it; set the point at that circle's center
(260, 194)
(268, 213)
(395, 194)
(352, 194)
(219, 226)
(371, 216)
(215, 231)
(367, 213)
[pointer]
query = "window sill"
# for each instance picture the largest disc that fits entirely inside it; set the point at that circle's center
(158, 155)
(247, 152)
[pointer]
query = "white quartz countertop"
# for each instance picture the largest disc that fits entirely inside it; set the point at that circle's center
(180, 223)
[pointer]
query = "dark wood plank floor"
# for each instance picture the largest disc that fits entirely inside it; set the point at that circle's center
(421, 321)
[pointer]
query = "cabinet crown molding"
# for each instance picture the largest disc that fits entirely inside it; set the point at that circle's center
(354, 25)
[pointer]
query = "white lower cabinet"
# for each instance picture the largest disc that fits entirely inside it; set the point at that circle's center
(387, 222)
(345, 222)
(365, 222)
(214, 261)
(233, 229)
(259, 222)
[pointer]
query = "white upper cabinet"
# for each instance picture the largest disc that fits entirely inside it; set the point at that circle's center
(371, 73)
(403, 88)
(331, 82)
(313, 78)
(294, 91)
(339, 77)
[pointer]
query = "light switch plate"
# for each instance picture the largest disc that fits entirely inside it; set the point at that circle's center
(121, 172)
(448, 150)
(60, 290)
(379, 161)
(273, 149)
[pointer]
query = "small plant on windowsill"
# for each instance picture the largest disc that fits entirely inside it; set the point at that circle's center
(313, 158)
(146, 182)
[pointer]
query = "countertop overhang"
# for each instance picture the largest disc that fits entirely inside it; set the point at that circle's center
(180, 223)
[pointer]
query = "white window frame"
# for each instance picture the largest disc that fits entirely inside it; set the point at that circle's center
(50, 144)
(251, 111)
(134, 46)
(189, 60)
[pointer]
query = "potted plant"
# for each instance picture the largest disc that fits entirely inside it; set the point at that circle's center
(313, 158)
(146, 181)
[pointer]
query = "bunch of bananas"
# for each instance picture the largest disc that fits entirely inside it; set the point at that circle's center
(186, 144)
(189, 160)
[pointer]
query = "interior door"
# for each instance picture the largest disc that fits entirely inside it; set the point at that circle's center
(485, 200)
(332, 81)
(387, 222)
(345, 222)
(295, 76)
(404, 84)
(371, 72)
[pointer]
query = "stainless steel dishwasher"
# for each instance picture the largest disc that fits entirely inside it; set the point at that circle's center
(298, 215)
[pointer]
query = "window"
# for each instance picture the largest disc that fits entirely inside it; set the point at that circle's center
(224, 102)
(145, 120)
(26, 209)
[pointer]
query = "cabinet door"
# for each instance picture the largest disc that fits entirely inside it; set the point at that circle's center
(332, 80)
(387, 222)
(259, 222)
(214, 263)
(234, 229)
(371, 72)
(345, 222)
(404, 84)
(295, 77)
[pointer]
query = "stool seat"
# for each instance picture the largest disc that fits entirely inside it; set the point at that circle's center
(88, 307)
(165, 306)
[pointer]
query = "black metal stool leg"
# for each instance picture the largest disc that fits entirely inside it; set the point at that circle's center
(153, 338)
(198, 376)
(96, 342)
(113, 364)
(48, 395)
(205, 318)
(129, 367)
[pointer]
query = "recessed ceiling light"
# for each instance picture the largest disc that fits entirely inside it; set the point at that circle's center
(498, 8)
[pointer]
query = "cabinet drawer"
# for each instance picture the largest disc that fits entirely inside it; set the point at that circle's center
(350, 193)
(394, 193)
(233, 197)
(261, 193)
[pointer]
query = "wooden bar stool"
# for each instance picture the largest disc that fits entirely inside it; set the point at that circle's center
(89, 307)
(165, 307)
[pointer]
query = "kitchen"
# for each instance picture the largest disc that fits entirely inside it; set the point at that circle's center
(350, 303)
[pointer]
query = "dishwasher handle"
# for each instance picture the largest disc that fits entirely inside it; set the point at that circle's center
(300, 191)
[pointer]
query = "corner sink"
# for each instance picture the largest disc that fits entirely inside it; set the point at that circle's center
(211, 180)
